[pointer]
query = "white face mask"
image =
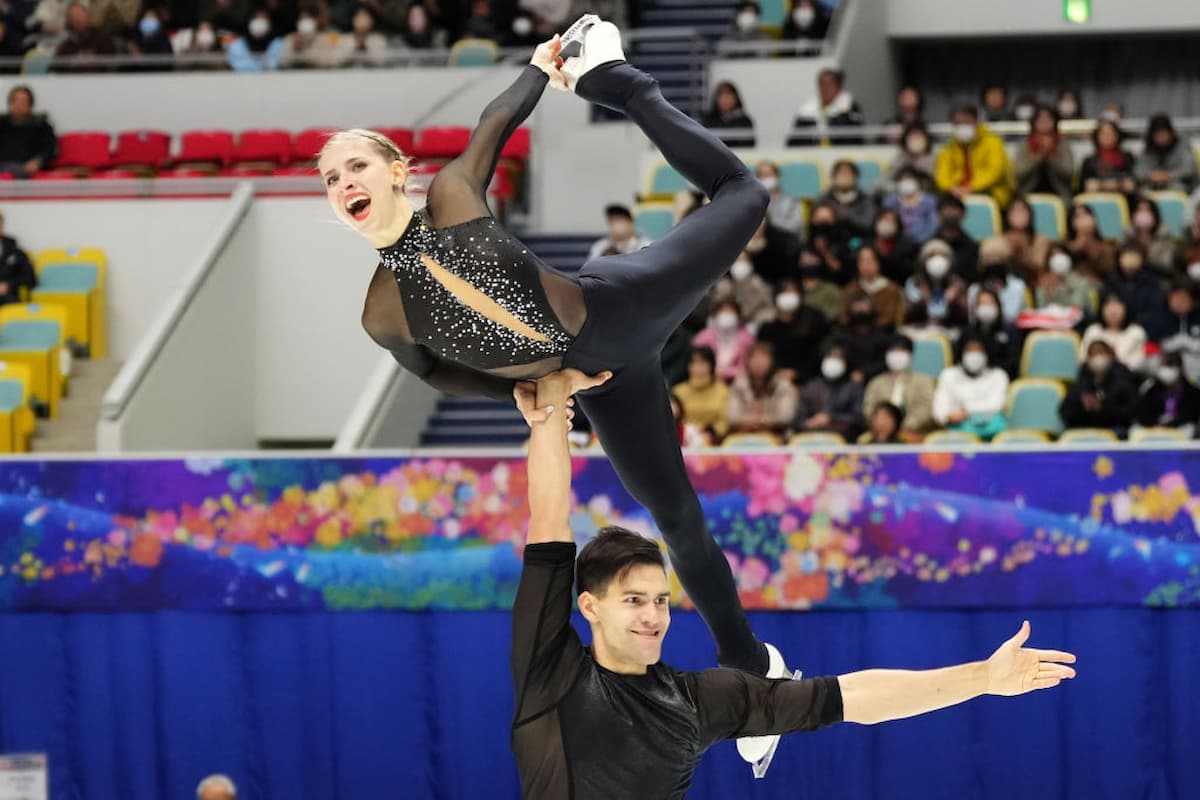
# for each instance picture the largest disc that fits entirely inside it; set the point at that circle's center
(741, 269)
(1193, 270)
(747, 21)
(787, 301)
(1060, 263)
(522, 26)
(770, 183)
(1099, 363)
(306, 26)
(937, 266)
(886, 228)
(259, 27)
(974, 361)
(804, 16)
(726, 321)
(833, 368)
(1067, 110)
(1143, 220)
(205, 38)
(907, 186)
(964, 132)
(898, 360)
(1024, 113)
(987, 314)
(1168, 375)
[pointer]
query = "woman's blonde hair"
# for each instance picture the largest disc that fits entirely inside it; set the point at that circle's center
(383, 145)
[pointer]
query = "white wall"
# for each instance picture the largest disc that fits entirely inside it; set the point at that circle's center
(976, 18)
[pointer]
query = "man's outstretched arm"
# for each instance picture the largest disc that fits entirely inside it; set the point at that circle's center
(879, 695)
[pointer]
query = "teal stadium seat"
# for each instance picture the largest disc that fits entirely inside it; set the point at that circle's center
(68, 277)
(931, 355)
(1172, 207)
(1051, 354)
(1033, 405)
(982, 218)
(800, 179)
(869, 171)
(1111, 210)
(654, 220)
(29, 334)
(773, 13)
(1049, 216)
(666, 181)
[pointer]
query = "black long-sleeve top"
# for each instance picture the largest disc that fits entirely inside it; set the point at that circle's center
(32, 137)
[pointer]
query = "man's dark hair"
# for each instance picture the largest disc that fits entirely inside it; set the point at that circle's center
(948, 200)
(618, 210)
(901, 342)
(610, 556)
(965, 108)
(838, 76)
(21, 88)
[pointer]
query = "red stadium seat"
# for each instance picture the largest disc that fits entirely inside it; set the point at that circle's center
(308, 143)
(403, 137)
(142, 148)
(246, 171)
(263, 146)
(115, 174)
(518, 145)
(185, 172)
(83, 149)
(205, 147)
(305, 169)
(56, 175)
(446, 142)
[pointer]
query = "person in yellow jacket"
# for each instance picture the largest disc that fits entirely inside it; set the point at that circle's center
(974, 161)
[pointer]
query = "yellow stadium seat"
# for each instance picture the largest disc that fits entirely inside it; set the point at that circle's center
(1088, 436)
(982, 219)
(472, 53)
(1172, 207)
(654, 220)
(77, 279)
(952, 438)
(1017, 436)
(14, 392)
(32, 334)
(1051, 354)
(816, 439)
(663, 182)
(1049, 215)
(750, 441)
(1157, 436)
(1111, 210)
(1033, 404)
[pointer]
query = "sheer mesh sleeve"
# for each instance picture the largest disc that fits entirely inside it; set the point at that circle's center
(458, 192)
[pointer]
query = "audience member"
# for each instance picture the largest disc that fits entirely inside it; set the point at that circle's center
(774, 252)
(1068, 106)
(689, 434)
(747, 23)
(27, 141)
(1140, 290)
(216, 787)
(832, 401)
(1093, 255)
(936, 295)
(808, 20)
(887, 301)
(84, 41)
(951, 213)
(201, 49)
(1126, 338)
(910, 392)
(1191, 231)
(996, 273)
(1181, 329)
(895, 247)
(796, 333)
(993, 102)
(1169, 399)
(865, 342)
(480, 24)
(1003, 339)
(761, 400)
(728, 338)
(16, 269)
(829, 237)
(1058, 284)
(910, 108)
(749, 291)
(855, 209)
(1029, 248)
(1043, 163)
(1024, 107)
(364, 46)
(311, 45)
(1103, 395)
(819, 293)
(114, 17)
(420, 32)
(1148, 230)
(783, 211)
(832, 107)
(974, 161)
(150, 40)
(727, 116)
(1166, 161)
(227, 16)
(258, 49)
(918, 210)
(884, 425)
(1189, 266)
(1110, 168)
(705, 398)
(622, 237)
(971, 395)
(914, 154)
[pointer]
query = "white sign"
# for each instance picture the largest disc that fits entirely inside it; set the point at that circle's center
(23, 777)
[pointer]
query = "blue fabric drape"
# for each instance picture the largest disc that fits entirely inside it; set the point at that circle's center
(356, 706)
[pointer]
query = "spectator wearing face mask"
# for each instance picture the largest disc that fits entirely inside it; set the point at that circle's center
(1104, 394)
(1058, 284)
(522, 32)
(1139, 289)
(27, 141)
(150, 39)
(996, 273)
(1169, 399)
(887, 301)
(917, 208)
(480, 24)
(974, 161)
(936, 296)
(704, 396)
(1126, 338)
(832, 402)
(259, 49)
(866, 341)
(728, 338)
(747, 24)
(1166, 161)
(1180, 329)
(783, 211)
(1148, 230)
(884, 425)
(993, 102)
(829, 238)
(201, 48)
(900, 387)
(1110, 168)
(951, 212)
(1068, 106)
(970, 396)
(1043, 163)
(1029, 248)
(761, 399)
(832, 107)
(312, 45)
(728, 118)
(855, 209)
(1094, 257)
(914, 155)
(891, 241)
(773, 251)
(749, 291)
(1003, 339)
(819, 293)
(114, 17)
(622, 237)
(1188, 267)
(808, 20)
(795, 334)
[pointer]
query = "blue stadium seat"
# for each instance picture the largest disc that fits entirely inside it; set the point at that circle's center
(1172, 207)
(1049, 215)
(801, 177)
(1051, 354)
(983, 217)
(664, 181)
(1111, 210)
(1033, 404)
(654, 220)
(931, 354)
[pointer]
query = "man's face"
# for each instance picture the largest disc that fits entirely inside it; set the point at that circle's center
(630, 619)
(827, 87)
(19, 104)
(620, 227)
(1180, 302)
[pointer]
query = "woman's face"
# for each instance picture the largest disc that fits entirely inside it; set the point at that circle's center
(824, 216)
(759, 363)
(1114, 313)
(1107, 136)
(1083, 221)
(699, 370)
(726, 100)
(360, 184)
(1043, 122)
(868, 265)
(1162, 138)
(766, 169)
(883, 426)
(1019, 216)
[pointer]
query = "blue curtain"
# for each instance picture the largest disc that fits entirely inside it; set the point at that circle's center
(355, 706)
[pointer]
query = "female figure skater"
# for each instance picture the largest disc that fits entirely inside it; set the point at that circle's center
(465, 306)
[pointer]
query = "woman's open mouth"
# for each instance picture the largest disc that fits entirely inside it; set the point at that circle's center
(359, 208)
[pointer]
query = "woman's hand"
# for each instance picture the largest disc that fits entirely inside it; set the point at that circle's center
(545, 58)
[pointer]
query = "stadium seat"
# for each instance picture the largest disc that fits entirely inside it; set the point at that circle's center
(663, 182)
(441, 142)
(308, 143)
(1088, 436)
(1172, 207)
(77, 280)
(85, 150)
(983, 217)
(1051, 354)
(773, 13)
(816, 440)
(57, 175)
(1033, 404)
(148, 149)
(1019, 436)
(1111, 210)
(931, 354)
(32, 334)
(518, 145)
(1157, 436)
(404, 138)
(654, 220)
(869, 170)
(263, 146)
(14, 398)
(116, 175)
(211, 149)
(750, 441)
(1049, 215)
(803, 178)
(940, 438)
(472, 53)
